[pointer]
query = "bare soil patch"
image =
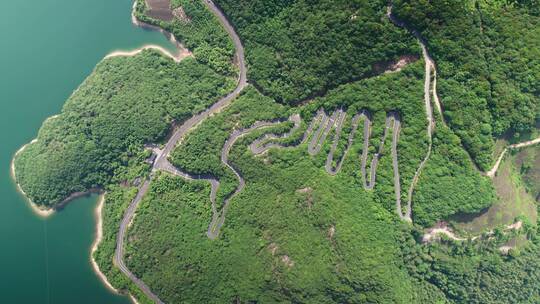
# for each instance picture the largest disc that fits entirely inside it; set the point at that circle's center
(181, 15)
(160, 9)
(308, 192)
(394, 65)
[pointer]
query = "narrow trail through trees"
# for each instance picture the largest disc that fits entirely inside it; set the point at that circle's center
(492, 171)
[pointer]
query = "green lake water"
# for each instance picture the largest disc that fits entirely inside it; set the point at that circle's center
(47, 48)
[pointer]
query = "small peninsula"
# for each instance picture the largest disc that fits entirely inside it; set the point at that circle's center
(308, 152)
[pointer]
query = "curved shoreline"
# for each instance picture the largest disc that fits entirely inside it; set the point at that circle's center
(40, 212)
(97, 241)
(182, 53)
(133, 299)
(36, 209)
(118, 260)
(162, 162)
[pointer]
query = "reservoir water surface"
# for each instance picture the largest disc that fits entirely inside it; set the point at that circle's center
(47, 48)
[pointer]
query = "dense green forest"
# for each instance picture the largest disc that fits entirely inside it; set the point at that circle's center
(126, 103)
(449, 184)
(200, 152)
(201, 33)
(271, 250)
(296, 234)
(488, 63)
(117, 199)
(474, 272)
(295, 228)
(300, 49)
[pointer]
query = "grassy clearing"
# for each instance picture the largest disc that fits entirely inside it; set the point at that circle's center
(513, 201)
(528, 163)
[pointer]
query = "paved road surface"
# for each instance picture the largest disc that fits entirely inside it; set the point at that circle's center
(162, 163)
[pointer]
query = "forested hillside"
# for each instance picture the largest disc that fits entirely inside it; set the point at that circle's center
(318, 215)
(200, 32)
(488, 59)
(125, 103)
(296, 233)
(300, 49)
(475, 272)
(450, 184)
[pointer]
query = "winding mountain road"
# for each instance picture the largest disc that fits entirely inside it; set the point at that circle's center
(318, 131)
(430, 90)
(162, 163)
(430, 69)
(218, 218)
(326, 123)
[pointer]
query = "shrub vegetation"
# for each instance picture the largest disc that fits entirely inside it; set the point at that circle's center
(300, 49)
(126, 103)
(295, 233)
(487, 56)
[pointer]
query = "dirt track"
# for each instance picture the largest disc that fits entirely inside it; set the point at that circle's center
(492, 171)
(160, 9)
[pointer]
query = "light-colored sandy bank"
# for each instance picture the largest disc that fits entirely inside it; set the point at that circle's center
(39, 211)
(177, 58)
(97, 241)
(132, 298)
(181, 53)
(98, 238)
